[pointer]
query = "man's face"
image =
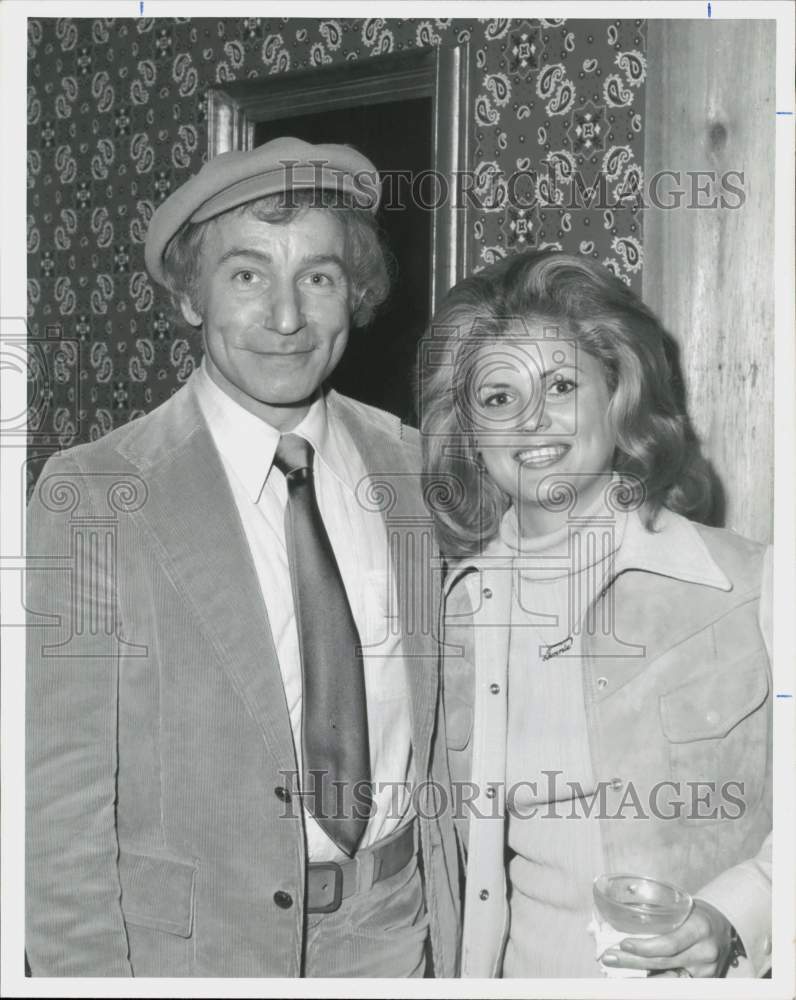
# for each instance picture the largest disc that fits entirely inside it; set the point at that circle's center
(274, 309)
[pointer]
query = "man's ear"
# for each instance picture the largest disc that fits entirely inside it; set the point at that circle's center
(188, 311)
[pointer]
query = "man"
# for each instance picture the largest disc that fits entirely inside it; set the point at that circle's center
(229, 707)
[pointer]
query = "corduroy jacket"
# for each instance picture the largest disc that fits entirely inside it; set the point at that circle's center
(159, 842)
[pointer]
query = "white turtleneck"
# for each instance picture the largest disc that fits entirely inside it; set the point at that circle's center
(557, 852)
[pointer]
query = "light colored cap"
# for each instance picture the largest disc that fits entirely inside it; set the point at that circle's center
(233, 178)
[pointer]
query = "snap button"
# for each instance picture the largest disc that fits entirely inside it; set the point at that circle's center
(282, 793)
(494, 688)
(602, 682)
(712, 717)
(616, 784)
(490, 792)
(483, 894)
(487, 592)
(283, 899)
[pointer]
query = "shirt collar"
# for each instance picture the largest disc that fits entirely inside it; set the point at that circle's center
(331, 443)
(248, 443)
(674, 549)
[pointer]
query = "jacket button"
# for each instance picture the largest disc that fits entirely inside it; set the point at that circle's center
(283, 899)
(616, 784)
(602, 682)
(487, 592)
(494, 688)
(712, 717)
(490, 792)
(282, 793)
(483, 894)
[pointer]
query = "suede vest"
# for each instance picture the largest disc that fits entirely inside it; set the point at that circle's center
(677, 690)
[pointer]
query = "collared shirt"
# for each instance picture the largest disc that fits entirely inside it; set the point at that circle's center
(246, 445)
(548, 760)
(675, 549)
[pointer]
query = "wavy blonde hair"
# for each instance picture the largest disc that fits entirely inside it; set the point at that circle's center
(655, 440)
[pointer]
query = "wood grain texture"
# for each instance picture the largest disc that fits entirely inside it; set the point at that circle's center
(708, 272)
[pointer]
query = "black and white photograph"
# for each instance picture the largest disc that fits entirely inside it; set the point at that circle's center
(398, 542)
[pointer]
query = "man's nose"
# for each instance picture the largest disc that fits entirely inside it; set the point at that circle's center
(286, 312)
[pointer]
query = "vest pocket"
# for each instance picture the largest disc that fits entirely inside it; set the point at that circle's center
(717, 732)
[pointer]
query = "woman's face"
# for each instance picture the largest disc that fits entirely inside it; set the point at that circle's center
(539, 407)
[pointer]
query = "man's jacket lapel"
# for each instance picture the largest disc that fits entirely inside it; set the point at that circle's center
(192, 516)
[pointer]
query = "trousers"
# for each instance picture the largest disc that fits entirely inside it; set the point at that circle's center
(379, 933)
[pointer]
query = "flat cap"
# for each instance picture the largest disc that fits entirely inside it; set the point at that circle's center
(233, 178)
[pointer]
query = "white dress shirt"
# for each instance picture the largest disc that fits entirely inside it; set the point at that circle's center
(246, 445)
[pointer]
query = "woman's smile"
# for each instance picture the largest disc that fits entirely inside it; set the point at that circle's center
(542, 455)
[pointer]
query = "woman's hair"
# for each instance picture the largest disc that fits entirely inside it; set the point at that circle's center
(655, 441)
(369, 263)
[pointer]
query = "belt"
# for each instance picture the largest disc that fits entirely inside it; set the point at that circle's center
(330, 882)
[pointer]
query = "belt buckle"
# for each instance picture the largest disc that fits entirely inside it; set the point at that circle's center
(316, 868)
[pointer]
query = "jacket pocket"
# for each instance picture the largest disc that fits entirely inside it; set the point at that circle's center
(710, 707)
(458, 723)
(717, 731)
(157, 893)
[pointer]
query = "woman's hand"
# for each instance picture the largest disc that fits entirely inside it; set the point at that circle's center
(701, 946)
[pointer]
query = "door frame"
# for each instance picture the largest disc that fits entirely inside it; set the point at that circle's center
(442, 73)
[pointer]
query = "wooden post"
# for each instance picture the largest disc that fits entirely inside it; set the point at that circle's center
(708, 271)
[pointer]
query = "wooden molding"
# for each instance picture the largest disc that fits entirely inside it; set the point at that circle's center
(709, 271)
(441, 73)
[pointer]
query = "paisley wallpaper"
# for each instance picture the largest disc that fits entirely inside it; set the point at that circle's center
(117, 120)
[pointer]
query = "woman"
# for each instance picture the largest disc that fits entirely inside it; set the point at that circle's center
(606, 677)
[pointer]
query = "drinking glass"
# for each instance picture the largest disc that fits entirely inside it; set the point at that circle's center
(634, 906)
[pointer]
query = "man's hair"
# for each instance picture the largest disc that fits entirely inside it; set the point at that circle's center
(369, 263)
(655, 440)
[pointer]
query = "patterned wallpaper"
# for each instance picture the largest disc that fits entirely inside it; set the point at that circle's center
(117, 120)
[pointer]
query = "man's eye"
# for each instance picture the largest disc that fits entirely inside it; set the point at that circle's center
(245, 277)
(319, 280)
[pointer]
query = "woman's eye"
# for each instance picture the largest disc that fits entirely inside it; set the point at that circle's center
(500, 398)
(562, 386)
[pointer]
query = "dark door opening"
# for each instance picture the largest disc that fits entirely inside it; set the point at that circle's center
(396, 136)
